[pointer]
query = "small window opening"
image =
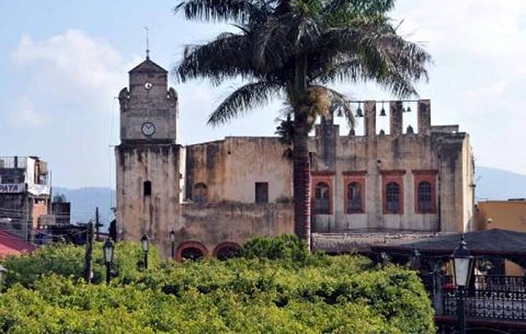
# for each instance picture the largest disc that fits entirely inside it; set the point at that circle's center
(200, 193)
(261, 192)
(147, 188)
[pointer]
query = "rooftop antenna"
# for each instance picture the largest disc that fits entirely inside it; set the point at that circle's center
(147, 44)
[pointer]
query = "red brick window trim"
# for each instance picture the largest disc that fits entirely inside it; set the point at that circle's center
(322, 193)
(354, 200)
(393, 191)
(321, 173)
(425, 191)
(356, 173)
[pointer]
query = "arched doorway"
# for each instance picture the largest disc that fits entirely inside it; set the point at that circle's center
(191, 251)
(226, 250)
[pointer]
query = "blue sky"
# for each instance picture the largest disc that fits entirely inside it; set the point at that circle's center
(63, 62)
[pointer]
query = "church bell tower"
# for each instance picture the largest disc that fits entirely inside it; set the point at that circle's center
(149, 109)
(149, 162)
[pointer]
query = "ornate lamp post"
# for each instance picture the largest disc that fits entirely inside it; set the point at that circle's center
(172, 241)
(416, 259)
(108, 257)
(145, 244)
(2, 272)
(462, 269)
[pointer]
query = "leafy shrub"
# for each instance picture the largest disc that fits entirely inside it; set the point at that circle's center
(343, 294)
(285, 247)
(68, 260)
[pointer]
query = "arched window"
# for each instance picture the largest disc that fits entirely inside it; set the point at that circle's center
(191, 253)
(354, 198)
(322, 198)
(392, 197)
(425, 197)
(200, 193)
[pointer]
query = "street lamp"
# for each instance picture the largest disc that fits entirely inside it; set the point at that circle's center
(2, 271)
(108, 257)
(462, 268)
(385, 259)
(145, 245)
(172, 240)
(416, 258)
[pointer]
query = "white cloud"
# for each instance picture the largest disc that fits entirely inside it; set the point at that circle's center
(25, 115)
(71, 66)
(69, 81)
(478, 29)
(477, 80)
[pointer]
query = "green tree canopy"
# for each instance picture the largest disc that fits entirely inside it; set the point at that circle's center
(288, 290)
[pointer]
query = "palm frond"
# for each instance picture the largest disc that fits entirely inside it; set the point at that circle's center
(271, 44)
(285, 130)
(339, 13)
(244, 99)
(224, 58)
(378, 53)
(240, 11)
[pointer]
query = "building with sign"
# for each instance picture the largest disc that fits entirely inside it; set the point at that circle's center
(217, 195)
(24, 194)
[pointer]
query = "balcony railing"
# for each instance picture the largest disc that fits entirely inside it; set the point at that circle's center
(490, 297)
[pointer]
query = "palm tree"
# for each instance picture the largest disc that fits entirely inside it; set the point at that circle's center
(292, 49)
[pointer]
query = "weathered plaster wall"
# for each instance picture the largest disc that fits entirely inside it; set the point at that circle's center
(231, 167)
(215, 224)
(138, 213)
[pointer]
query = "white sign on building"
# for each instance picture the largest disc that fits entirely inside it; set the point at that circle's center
(12, 188)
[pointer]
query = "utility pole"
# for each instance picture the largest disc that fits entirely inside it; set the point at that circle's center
(88, 265)
(97, 225)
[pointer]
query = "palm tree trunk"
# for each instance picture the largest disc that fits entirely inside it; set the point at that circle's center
(301, 165)
(301, 179)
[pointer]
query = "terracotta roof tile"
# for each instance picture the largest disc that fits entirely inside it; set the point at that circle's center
(12, 245)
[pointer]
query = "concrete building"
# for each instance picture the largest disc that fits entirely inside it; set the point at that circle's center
(24, 194)
(217, 195)
(504, 215)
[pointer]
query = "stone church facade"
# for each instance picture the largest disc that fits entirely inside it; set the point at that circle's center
(217, 195)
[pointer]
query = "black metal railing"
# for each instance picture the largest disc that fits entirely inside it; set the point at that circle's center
(490, 297)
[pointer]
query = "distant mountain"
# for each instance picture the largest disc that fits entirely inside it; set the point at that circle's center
(498, 184)
(85, 200)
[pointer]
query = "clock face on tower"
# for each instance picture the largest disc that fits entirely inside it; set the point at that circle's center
(148, 129)
(148, 85)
